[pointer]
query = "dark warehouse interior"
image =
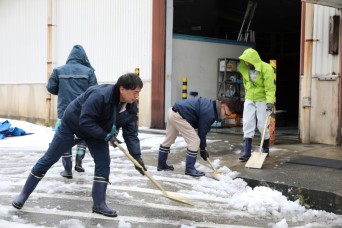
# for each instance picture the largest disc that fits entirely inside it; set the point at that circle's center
(276, 26)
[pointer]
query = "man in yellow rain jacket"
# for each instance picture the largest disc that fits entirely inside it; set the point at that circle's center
(259, 86)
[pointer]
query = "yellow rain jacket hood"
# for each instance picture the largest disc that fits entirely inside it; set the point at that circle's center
(263, 88)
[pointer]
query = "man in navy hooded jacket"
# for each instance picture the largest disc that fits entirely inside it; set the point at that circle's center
(68, 82)
(94, 117)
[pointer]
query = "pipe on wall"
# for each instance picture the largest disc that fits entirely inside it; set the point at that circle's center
(49, 59)
(339, 140)
(305, 101)
(301, 59)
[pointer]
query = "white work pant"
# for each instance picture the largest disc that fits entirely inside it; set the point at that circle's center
(175, 125)
(254, 115)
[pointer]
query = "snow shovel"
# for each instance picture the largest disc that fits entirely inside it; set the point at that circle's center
(169, 195)
(214, 174)
(258, 158)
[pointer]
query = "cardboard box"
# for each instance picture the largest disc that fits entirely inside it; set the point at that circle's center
(232, 120)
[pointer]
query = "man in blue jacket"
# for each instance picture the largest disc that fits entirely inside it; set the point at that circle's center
(68, 82)
(185, 117)
(94, 117)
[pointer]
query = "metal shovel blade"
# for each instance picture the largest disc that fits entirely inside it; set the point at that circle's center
(256, 160)
(214, 174)
(178, 198)
(169, 195)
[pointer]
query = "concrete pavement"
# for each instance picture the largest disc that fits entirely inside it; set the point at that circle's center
(60, 202)
(315, 187)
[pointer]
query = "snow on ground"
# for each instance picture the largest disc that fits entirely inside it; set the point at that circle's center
(257, 202)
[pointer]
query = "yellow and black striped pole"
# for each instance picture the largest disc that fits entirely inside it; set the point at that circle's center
(185, 88)
(137, 72)
(272, 125)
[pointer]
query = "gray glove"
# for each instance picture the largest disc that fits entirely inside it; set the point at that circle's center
(269, 107)
(112, 139)
(141, 162)
(204, 154)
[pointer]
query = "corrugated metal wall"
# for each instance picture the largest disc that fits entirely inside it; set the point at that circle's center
(325, 81)
(23, 41)
(323, 63)
(116, 35)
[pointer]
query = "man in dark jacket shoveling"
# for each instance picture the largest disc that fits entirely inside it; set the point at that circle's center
(94, 117)
(68, 82)
(185, 117)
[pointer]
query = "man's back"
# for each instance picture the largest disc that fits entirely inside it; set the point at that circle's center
(72, 79)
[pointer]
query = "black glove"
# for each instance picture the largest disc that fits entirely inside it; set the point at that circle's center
(114, 140)
(269, 107)
(141, 162)
(204, 154)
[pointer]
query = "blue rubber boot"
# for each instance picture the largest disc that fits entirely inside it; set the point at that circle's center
(247, 149)
(99, 197)
(28, 188)
(80, 152)
(266, 147)
(162, 157)
(191, 157)
(67, 163)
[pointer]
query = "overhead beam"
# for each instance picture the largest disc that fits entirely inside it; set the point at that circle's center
(332, 3)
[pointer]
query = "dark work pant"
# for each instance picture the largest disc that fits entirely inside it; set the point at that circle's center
(65, 139)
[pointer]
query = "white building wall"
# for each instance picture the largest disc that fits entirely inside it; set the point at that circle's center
(116, 35)
(197, 59)
(23, 29)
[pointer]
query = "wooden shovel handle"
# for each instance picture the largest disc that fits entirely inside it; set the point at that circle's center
(211, 165)
(138, 165)
(268, 116)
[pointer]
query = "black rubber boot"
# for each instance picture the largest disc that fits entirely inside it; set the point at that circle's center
(80, 152)
(67, 163)
(190, 169)
(266, 147)
(162, 157)
(99, 197)
(28, 188)
(247, 149)
(78, 163)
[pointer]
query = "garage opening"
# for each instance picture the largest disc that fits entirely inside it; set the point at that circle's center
(275, 28)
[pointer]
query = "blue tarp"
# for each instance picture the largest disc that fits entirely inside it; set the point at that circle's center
(6, 130)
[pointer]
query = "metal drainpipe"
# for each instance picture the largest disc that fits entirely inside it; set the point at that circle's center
(306, 79)
(339, 140)
(301, 60)
(49, 60)
(302, 38)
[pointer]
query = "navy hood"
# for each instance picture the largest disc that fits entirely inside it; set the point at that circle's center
(79, 55)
